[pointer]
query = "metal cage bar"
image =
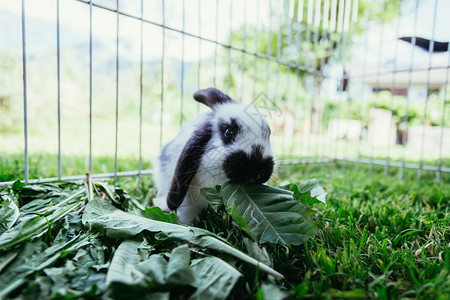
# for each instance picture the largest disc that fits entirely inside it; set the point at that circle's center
(364, 96)
(377, 84)
(199, 68)
(90, 86)
(229, 49)
(25, 107)
(163, 28)
(430, 50)
(182, 64)
(116, 136)
(403, 165)
(444, 106)
(58, 71)
(141, 90)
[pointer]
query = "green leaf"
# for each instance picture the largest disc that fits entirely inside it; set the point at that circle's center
(122, 197)
(22, 232)
(35, 257)
(178, 270)
(59, 277)
(258, 252)
(213, 196)
(156, 213)
(48, 203)
(9, 213)
(240, 221)
(101, 215)
(29, 192)
(272, 292)
(6, 259)
(35, 224)
(77, 277)
(13, 276)
(123, 268)
(155, 268)
(309, 192)
(128, 273)
(214, 278)
(272, 214)
(17, 186)
(107, 189)
(358, 293)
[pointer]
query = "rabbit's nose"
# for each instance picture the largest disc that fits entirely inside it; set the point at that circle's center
(243, 168)
(263, 172)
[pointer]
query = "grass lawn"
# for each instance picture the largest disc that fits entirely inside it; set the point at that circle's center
(377, 238)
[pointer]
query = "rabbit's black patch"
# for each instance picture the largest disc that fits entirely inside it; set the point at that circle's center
(229, 131)
(243, 168)
(188, 164)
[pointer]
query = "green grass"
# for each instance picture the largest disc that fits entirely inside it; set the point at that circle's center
(43, 165)
(379, 237)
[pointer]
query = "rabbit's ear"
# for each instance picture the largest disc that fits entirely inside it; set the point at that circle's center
(187, 165)
(212, 97)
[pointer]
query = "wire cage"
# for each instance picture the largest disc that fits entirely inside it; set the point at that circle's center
(107, 83)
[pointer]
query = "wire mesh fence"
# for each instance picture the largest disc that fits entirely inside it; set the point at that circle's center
(100, 86)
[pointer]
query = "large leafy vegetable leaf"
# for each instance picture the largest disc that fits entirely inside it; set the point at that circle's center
(35, 257)
(9, 213)
(130, 272)
(215, 278)
(118, 224)
(78, 277)
(6, 259)
(240, 221)
(156, 213)
(272, 292)
(34, 225)
(47, 204)
(164, 274)
(30, 192)
(213, 196)
(178, 271)
(258, 252)
(272, 214)
(122, 268)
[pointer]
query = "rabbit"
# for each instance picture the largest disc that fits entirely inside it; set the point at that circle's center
(229, 143)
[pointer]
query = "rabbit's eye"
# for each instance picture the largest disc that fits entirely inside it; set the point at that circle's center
(230, 133)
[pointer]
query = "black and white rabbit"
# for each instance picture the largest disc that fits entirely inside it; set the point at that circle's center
(228, 143)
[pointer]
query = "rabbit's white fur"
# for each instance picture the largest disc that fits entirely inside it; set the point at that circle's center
(253, 131)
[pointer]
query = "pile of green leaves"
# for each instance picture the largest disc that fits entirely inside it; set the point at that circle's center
(65, 240)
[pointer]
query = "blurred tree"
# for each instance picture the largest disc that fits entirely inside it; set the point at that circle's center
(302, 36)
